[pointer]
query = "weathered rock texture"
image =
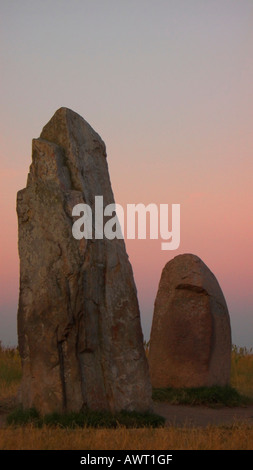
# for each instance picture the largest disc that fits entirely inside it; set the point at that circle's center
(79, 329)
(190, 343)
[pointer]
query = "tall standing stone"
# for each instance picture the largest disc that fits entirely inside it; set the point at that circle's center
(190, 344)
(79, 329)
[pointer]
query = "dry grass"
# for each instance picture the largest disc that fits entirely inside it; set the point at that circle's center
(213, 438)
(10, 374)
(242, 371)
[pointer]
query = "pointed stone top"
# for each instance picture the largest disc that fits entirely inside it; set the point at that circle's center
(67, 126)
(64, 113)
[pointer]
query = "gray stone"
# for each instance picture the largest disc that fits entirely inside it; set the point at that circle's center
(79, 329)
(190, 344)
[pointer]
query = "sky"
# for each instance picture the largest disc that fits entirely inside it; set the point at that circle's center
(167, 84)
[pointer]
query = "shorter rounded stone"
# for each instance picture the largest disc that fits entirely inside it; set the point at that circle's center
(190, 344)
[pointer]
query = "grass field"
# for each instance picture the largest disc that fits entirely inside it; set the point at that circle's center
(171, 438)
(56, 437)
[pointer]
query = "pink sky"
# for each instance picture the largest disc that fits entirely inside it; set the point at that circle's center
(168, 86)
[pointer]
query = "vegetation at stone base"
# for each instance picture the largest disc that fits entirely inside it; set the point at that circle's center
(209, 396)
(20, 417)
(94, 419)
(240, 392)
(241, 381)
